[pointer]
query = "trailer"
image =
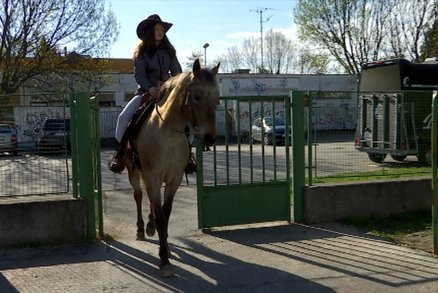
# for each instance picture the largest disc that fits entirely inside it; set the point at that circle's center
(394, 109)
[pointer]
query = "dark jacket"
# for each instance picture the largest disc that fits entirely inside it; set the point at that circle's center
(151, 71)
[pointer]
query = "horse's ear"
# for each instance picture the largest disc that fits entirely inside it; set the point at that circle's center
(216, 68)
(196, 68)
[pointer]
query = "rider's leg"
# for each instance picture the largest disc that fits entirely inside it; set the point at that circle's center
(116, 164)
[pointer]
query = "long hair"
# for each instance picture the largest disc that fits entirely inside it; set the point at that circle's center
(147, 44)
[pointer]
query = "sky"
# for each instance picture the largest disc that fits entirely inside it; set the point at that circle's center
(220, 23)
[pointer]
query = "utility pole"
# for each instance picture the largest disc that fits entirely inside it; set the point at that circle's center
(260, 11)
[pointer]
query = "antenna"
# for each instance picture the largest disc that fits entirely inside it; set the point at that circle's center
(260, 10)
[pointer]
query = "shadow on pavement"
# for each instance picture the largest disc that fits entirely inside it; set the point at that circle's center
(345, 252)
(197, 269)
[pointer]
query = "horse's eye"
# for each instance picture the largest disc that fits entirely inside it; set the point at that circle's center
(197, 98)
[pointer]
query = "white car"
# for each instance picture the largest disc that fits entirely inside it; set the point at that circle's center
(8, 140)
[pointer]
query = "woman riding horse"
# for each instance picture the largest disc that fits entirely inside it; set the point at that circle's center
(154, 59)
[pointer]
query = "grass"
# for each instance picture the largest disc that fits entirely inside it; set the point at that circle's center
(385, 173)
(392, 227)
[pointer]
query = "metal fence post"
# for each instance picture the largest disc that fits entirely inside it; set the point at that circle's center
(434, 136)
(298, 154)
(200, 184)
(85, 153)
(74, 143)
(309, 104)
(97, 174)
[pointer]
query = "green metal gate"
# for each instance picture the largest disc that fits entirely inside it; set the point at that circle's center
(86, 170)
(241, 180)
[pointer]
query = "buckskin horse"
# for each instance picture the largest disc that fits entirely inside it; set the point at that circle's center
(162, 148)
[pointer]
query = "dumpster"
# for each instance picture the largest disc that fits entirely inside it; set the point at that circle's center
(394, 109)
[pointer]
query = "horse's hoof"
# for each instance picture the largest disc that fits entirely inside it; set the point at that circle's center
(166, 271)
(150, 229)
(141, 237)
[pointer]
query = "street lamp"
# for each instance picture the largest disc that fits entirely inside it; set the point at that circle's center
(205, 53)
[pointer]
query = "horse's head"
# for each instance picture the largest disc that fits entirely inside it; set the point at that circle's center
(203, 97)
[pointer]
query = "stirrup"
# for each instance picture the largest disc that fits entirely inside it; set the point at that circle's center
(116, 165)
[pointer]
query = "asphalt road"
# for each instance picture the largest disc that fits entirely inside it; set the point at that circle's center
(35, 174)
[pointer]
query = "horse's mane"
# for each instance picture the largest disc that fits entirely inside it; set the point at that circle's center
(178, 83)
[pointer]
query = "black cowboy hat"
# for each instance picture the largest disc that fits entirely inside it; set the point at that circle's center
(151, 21)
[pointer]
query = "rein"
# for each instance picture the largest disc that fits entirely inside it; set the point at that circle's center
(177, 130)
(165, 121)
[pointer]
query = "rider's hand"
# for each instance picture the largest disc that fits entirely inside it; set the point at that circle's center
(154, 91)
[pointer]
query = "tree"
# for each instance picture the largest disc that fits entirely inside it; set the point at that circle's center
(279, 55)
(308, 62)
(36, 34)
(191, 59)
(410, 22)
(350, 30)
(250, 53)
(279, 52)
(430, 45)
(358, 31)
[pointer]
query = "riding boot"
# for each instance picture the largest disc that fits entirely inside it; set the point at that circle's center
(116, 164)
(192, 166)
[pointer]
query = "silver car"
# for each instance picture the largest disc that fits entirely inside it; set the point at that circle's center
(266, 129)
(8, 140)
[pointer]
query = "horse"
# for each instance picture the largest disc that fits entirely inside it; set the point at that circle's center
(162, 148)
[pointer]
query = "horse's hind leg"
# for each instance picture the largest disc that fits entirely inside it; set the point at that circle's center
(138, 196)
(134, 179)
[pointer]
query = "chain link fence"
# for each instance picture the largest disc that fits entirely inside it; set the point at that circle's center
(377, 135)
(35, 146)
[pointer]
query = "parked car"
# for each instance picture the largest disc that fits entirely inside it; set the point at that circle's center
(264, 129)
(55, 136)
(8, 140)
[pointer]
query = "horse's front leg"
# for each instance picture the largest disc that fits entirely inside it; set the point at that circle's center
(161, 227)
(164, 252)
(150, 226)
(169, 194)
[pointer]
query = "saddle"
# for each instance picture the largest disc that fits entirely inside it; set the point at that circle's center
(139, 117)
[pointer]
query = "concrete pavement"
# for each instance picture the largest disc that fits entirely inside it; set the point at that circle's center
(274, 257)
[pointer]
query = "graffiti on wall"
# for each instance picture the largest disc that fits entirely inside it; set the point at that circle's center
(30, 120)
(257, 86)
(339, 115)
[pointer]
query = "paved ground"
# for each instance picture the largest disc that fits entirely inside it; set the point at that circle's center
(266, 258)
